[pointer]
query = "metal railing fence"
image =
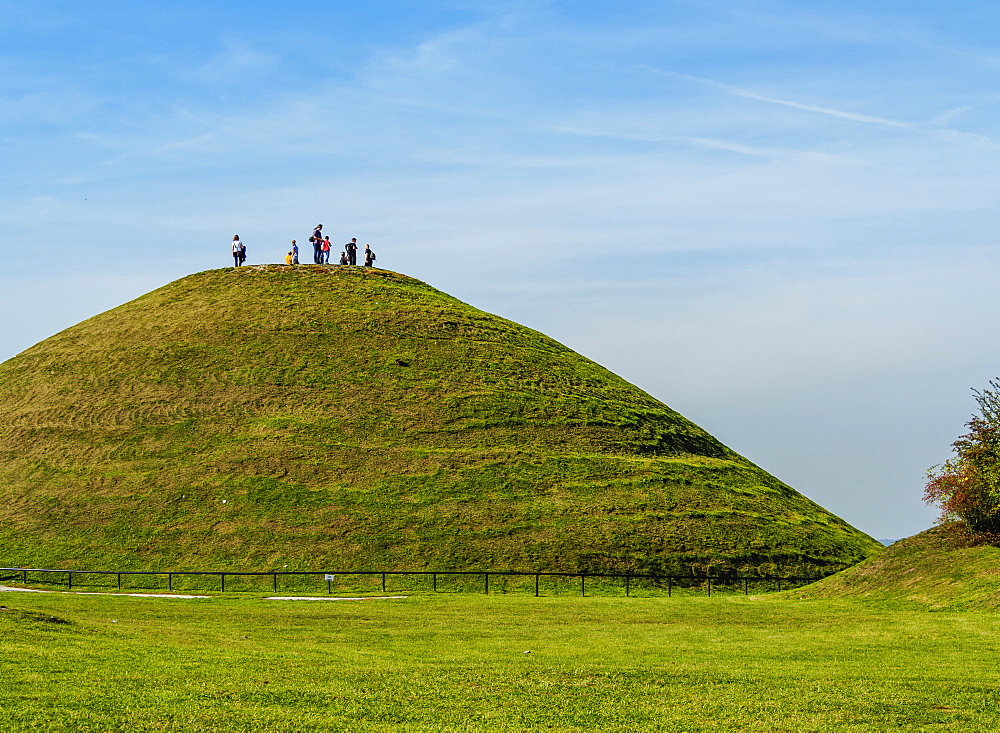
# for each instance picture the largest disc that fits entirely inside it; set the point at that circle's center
(502, 581)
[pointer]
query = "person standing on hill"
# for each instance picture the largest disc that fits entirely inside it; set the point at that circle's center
(239, 251)
(352, 251)
(326, 247)
(343, 258)
(295, 253)
(369, 256)
(317, 240)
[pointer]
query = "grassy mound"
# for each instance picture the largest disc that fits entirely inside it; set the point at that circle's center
(326, 417)
(939, 568)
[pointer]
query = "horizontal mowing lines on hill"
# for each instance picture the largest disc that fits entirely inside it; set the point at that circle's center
(324, 416)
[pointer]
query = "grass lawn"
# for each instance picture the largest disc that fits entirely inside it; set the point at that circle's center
(459, 662)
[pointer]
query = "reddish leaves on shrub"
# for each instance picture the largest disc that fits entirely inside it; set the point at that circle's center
(967, 487)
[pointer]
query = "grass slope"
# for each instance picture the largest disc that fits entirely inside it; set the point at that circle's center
(327, 417)
(458, 663)
(937, 568)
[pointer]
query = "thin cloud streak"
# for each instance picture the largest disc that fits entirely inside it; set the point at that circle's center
(936, 125)
(747, 94)
(702, 142)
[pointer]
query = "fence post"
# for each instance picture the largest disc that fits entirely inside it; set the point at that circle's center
(170, 581)
(583, 585)
(626, 585)
(383, 582)
(487, 577)
(709, 587)
(434, 579)
(119, 581)
(536, 585)
(328, 585)
(275, 585)
(70, 574)
(25, 576)
(670, 586)
(746, 586)
(223, 576)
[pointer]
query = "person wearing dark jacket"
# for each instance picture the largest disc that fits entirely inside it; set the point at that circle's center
(352, 251)
(369, 256)
(317, 242)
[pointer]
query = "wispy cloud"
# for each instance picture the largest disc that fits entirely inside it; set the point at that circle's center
(748, 94)
(712, 144)
(236, 59)
(946, 118)
(700, 142)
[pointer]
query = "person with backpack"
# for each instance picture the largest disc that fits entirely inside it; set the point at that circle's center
(352, 251)
(239, 251)
(369, 256)
(317, 242)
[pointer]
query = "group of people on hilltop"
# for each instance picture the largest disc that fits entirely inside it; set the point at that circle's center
(322, 248)
(321, 251)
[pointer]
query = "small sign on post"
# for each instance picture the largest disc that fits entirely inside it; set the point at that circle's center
(329, 578)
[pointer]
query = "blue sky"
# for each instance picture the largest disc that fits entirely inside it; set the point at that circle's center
(778, 217)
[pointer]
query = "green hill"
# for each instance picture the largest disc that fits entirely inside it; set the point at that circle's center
(325, 417)
(938, 568)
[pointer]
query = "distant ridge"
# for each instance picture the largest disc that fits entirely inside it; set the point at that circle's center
(314, 417)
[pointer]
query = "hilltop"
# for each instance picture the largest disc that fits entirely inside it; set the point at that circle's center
(319, 417)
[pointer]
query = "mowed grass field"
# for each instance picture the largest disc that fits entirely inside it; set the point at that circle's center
(473, 662)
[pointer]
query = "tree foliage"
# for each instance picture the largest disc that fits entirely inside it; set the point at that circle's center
(967, 487)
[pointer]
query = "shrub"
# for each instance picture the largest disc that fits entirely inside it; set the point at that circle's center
(967, 487)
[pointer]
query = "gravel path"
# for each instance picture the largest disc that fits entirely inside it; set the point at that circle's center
(332, 598)
(9, 589)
